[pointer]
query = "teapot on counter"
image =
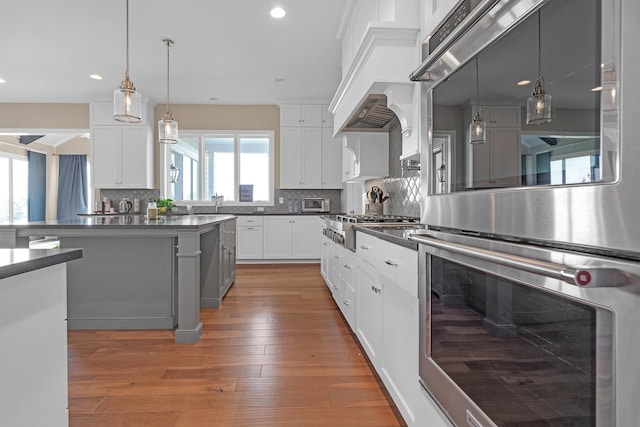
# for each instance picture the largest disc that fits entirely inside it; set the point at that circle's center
(125, 206)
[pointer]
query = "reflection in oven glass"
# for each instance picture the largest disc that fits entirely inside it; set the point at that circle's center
(524, 356)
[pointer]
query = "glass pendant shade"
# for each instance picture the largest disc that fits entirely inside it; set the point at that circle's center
(127, 103)
(167, 126)
(167, 129)
(477, 130)
(441, 173)
(539, 105)
(174, 174)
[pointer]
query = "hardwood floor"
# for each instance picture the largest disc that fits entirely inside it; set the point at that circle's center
(277, 353)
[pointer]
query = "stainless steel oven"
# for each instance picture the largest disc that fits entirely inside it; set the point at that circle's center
(573, 180)
(529, 274)
(513, 334)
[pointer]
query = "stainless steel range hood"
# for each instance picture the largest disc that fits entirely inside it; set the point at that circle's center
(372, 115)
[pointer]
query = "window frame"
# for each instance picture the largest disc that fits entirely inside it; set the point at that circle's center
(165, 163)
(11, 157)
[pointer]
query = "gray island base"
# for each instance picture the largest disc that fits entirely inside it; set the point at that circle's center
(136, 273)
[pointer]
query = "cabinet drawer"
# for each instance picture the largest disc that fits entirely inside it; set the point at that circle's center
(249, 221)
(398, 264)
(366, 247)
(348, 305)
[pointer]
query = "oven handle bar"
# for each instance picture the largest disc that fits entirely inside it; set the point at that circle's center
(584, 278)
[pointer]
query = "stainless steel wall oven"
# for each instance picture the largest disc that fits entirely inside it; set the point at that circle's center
(514, 334)
(530, 270)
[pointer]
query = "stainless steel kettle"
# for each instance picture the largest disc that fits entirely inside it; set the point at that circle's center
(124, 206)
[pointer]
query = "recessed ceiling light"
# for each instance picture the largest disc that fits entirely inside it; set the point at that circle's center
(596, 89)
(2, 80)
(523, 82)
(96, 76)
(278, 12)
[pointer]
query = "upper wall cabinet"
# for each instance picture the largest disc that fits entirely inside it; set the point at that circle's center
(300, 115)
(309, 156)
(122, 154)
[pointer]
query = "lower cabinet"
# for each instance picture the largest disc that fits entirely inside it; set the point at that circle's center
(291, 237)
(378, 296)
(369, 310)
(249, 242)
(227, 264)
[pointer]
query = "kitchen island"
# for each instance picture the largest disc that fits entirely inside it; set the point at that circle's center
(136, 273)
(33, 333)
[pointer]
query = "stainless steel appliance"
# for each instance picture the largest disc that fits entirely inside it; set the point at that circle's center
(514, 334)
(316, 204)
(534, 245)
(340, 229)
(563, 181)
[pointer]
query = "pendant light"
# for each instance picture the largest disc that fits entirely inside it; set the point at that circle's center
(174, 174)
(477, 128)
(167, 126)
(539, 103)
(127, 103)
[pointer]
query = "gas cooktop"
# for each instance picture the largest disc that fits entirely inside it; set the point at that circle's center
(357, 219)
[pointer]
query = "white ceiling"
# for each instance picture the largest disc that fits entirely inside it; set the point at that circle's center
(231, 50)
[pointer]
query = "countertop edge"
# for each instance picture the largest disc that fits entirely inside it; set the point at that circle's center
(380, 234)
(41, 258)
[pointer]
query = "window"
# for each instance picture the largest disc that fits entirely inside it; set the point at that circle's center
(575, 170)
(219, 163)
(14, 189)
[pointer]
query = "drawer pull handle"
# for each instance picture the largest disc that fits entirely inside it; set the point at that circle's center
(336, 256)
(365, 247)
(346, 302)
(389, 262)
(347, 266)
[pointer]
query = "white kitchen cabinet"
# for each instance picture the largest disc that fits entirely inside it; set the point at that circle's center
(331, 160)
(496, 163)
(249, 233)
(33, 312)
(365, 156)
(300, 157)
(398, 274)
(291, 237)
(305, 115)
(369, 311)
(122, 157)
(121, 154)
(500, 116)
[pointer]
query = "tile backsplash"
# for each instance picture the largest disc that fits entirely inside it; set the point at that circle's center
(403, 187)
(115, 195)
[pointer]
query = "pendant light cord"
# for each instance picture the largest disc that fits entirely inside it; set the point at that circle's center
(477, 83)
(126, 71)
(539, 47)
(168, 44)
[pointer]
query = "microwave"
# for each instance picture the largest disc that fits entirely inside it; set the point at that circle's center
(315, 204)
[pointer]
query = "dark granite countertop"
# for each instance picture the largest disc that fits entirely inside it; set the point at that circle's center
(126, 221)
(398, 234)
(18, 261)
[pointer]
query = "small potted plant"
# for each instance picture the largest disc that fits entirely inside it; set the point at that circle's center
(163, 205)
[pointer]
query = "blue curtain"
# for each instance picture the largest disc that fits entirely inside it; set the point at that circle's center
(37, 185)
(72, 186)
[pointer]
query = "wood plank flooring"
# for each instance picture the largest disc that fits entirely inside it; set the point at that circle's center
(277, 353)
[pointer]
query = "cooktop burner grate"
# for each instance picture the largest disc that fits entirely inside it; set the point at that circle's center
(381, 218)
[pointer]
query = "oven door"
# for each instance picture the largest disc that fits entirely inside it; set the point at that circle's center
(521, 335)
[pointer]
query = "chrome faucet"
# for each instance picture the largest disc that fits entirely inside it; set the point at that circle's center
(218, 199)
